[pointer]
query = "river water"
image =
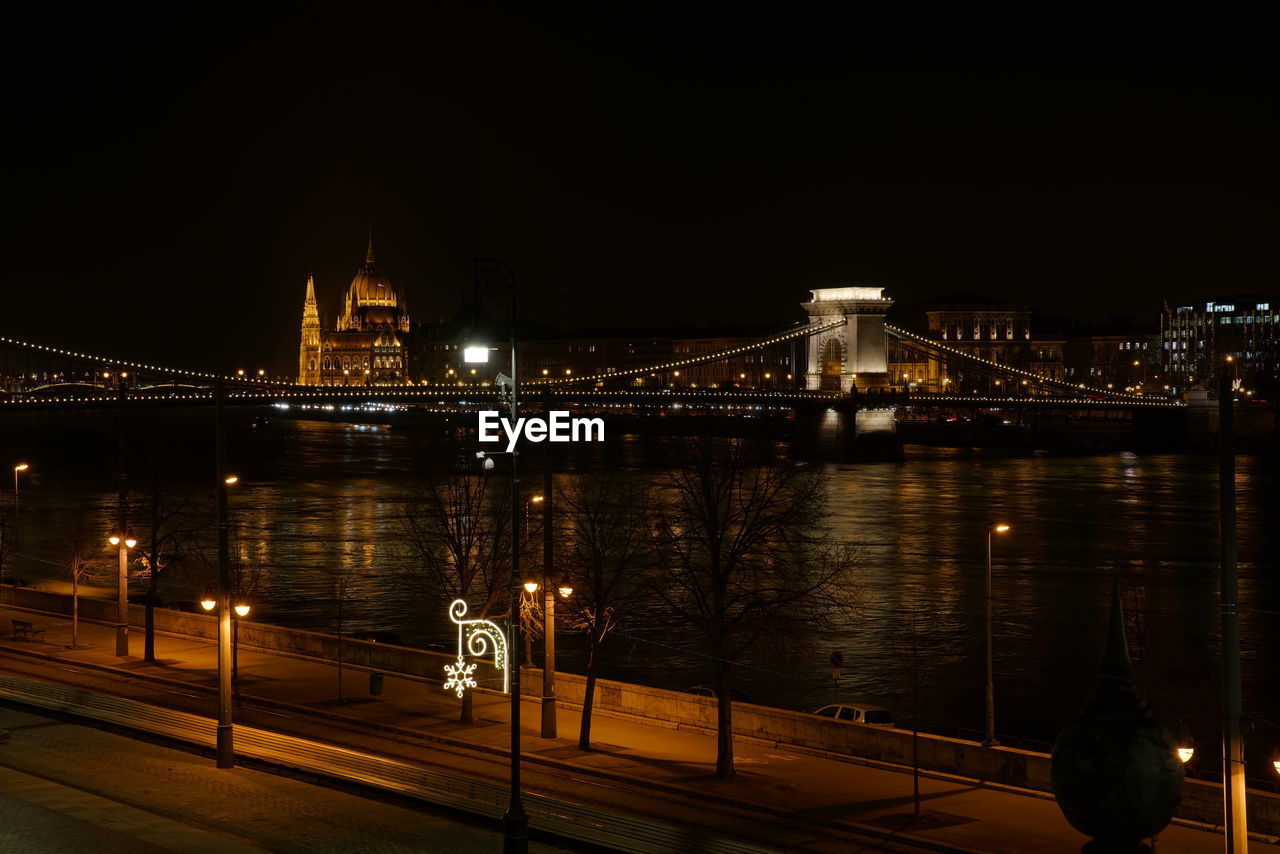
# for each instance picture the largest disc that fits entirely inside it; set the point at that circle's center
(313, 494)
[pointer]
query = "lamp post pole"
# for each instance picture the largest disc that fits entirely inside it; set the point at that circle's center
(1233, 789)
(18, 469)
(226, 747)
(515, 823)
(122, 509)
(549, 594)
(990, 739)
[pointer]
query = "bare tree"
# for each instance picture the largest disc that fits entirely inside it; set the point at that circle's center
(248, 578)
(83, 567)
(171, 529)
(6, 541)
(745, 562)
(457, 533)
(906, 647)
(341, 586)
(605, 557)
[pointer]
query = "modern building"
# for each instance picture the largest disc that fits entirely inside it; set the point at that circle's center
(1195, 339)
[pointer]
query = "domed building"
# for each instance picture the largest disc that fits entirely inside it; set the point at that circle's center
(366, 345)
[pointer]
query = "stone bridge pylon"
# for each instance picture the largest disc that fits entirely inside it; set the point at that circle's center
(853, 355)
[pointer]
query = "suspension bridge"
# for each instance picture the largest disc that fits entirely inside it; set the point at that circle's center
(846, 372)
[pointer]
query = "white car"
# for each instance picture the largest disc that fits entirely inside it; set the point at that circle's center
(871, 715)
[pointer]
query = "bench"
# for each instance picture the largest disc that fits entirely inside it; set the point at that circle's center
(27, 630)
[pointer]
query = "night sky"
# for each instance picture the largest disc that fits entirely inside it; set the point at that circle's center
(172, 178)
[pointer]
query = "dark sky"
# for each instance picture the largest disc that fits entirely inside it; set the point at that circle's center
(171, 177)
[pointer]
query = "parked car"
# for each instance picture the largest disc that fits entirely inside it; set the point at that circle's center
(708, 691)
(378, 637)
(871, 715)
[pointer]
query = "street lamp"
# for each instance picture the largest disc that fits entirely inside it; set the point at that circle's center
(20, 467)
(122, 543)
(990, 740)
(226, 734)
(515, 822)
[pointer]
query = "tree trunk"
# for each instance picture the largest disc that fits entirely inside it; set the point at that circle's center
(468, 715)
(588, 698)
(724, 727)
(149, 609)
(149, 626)
(235, 657)
(75, 607)
(340, 597)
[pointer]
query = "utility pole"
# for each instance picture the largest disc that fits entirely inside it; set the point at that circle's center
(1233, 789)
(515, 823)
(549, 587)
(226, 746)
(122, 508)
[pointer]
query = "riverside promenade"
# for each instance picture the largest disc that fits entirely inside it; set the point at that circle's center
(781, 799)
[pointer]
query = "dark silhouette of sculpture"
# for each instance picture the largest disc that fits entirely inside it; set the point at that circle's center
(1115, 769)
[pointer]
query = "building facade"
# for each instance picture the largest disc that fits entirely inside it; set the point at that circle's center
(1195, 339)
(366, 345)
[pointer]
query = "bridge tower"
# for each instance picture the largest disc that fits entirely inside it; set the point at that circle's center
(309, 350)
(853, 355)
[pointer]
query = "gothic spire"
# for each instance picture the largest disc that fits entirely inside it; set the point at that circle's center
(368, 255)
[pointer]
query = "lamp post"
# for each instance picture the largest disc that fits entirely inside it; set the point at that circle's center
(515, 822)
(20, 467)
(990, 740)
(549, 595)
(122, 543)
(122, 510)
(226, 735)
(1233, 772)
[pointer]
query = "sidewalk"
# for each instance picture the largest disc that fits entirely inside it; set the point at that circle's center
(70, 788)
(821, 792)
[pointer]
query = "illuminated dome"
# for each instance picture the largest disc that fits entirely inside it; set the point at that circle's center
(370, 286)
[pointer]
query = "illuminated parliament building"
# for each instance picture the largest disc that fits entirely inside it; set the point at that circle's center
(366, 346)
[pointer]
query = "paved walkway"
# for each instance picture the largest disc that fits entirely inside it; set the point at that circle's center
(68, 788)
(821, 792)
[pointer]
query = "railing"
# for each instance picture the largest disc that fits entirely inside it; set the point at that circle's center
(573, 821)
(1034, 745)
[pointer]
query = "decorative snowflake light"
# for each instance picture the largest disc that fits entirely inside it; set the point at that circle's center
(459, 677)
(480, 638)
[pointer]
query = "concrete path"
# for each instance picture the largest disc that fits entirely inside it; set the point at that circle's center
(68, 788)
(823, 793)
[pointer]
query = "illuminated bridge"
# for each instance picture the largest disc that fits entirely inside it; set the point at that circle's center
(848, 389)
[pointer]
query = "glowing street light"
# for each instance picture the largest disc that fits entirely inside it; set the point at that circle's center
(475, 355)
(531, 587)
(231, 479)
(20, 467)
(990, 740)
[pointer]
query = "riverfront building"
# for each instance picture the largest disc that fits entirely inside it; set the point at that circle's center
(365, 346)
(1195, 338)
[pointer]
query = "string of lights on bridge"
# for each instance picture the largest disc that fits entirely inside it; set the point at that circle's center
(697, 359)
(435, 390)
(1039, 378)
